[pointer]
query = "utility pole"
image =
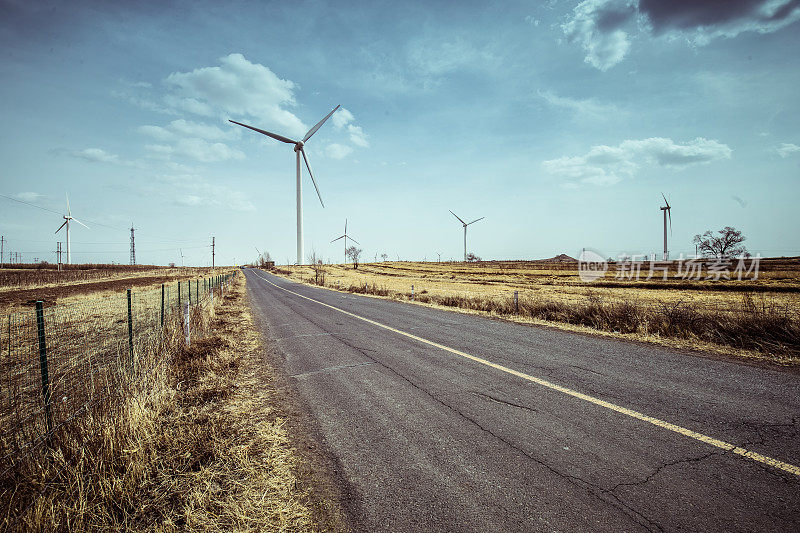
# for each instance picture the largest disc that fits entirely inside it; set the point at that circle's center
(133, 247)
(58, 254)
(2, 242)
(212, 251)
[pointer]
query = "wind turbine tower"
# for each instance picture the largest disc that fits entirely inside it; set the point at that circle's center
(298, 149)
(67, 219)
(465, 224)
(345, 237)
(667, 214)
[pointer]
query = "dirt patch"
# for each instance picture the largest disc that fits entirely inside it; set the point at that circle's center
(51, 295)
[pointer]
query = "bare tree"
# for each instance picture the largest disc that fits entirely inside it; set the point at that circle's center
(726, 243)
(384, 256)
(353, 253)
(318, 267)
(472, 257)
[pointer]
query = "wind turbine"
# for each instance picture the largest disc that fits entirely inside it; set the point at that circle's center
(298, 149)
(67, 218)
(667, 213)
(345, 237)
(465, 224)
(181, 251)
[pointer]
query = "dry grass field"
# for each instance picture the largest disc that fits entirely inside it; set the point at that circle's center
(21, 287)
(751, 317)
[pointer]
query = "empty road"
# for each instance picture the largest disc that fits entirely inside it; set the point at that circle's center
(442, 421)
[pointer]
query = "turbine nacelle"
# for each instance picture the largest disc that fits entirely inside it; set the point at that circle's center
(298, 146)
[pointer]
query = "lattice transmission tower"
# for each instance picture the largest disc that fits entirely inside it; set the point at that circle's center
(133, 247)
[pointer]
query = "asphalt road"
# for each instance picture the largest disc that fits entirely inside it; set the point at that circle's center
(453, 422)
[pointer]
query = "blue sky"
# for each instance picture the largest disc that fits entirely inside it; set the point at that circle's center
(560, 122)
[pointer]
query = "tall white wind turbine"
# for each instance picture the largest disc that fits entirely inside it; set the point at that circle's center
(298, 148)
(345, 237)
(465, 224)
(67, 219)
(667, 213)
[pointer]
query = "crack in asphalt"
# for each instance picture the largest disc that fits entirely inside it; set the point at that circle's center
(498, 400)
(662, 467)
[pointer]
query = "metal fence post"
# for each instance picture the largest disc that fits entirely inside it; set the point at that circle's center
(412, 293)
(179, 296)
(130, 326)
(516, 301)
(43, 365)
(188, 323)
(162, 305)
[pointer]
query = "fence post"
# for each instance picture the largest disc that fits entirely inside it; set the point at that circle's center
(188, 323)
(189, 292)
(197, 291)
(162, 305)
(43, 365)
(516, 301)
(130, 327)
(412, 293)
(179, 296)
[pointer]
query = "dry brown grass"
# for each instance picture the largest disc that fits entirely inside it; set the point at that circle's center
(19, 288)
(194, 446)
(752, 318)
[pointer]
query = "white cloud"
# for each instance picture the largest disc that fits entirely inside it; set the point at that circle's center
(28, 196)
(197, 149)
(192, 190)
(357, 136)
(156, 132)
(606, 165)
(95, 155)
(239, 88)
(583, 108)
(600, 26)
(338, 151)
(787, 149)
(342, 118)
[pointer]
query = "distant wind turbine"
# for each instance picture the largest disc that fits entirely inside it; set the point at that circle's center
(67, 218)
(345, 237)
(465, 224)
(667, 213)
(298, 148)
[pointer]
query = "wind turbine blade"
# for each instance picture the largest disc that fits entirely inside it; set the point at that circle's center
(268, 134)
(337, 238)
(61, 226)
(352, 239)
(458, 217)
(345, 226)
(305, 158)
(313, 130)
(665, 200)
(81, 223)
(477, 219)
(69, 213)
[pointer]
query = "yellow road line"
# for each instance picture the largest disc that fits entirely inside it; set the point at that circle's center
(792, 469)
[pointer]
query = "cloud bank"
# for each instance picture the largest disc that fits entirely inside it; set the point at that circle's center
(606, 165)
(604, 28)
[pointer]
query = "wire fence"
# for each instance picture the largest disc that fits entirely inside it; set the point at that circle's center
(58, 362)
